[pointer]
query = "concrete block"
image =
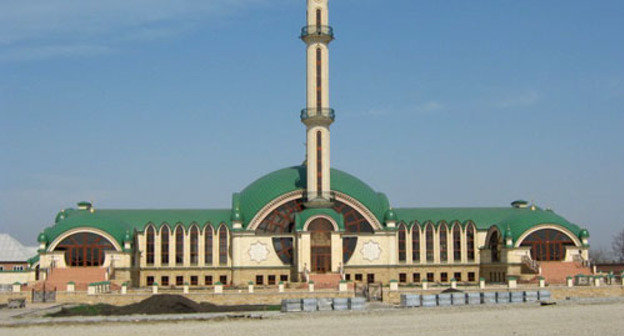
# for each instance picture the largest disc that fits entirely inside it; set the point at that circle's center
(291, 305)
(502, 297)
(410, 300)
(309, 304)
(459, 299)
(444, 299)
(473, 298)
(530, 296)
(324, 304)
(357, 303)
(517, 297)
(543, 295)
(430, 300)
(340, 304)
(488, 297)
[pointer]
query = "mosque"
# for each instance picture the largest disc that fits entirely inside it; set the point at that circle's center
(301, 221)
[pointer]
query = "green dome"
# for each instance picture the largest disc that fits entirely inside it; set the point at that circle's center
(42, 238)
(236, 216)
(265, 189)
(390, 216)
(584, 233)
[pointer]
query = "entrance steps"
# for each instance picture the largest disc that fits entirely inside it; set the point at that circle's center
(326, 280)
(81, 276)
(556, 272)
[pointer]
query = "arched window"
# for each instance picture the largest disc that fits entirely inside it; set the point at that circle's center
(319, 18)
(470, 241)
(494, 246)
(319, 162)
(457, 252)
(547, 244)
(194, 245)
(164, 245)
(402, 243)
(149, 245)
(416, 243)
(319, 79)
(179, 246)
(443, 230)
(84, 249)
(223, 245)
(429, 242)
(208, 245)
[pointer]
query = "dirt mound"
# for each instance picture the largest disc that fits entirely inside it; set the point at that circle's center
(159, 304)
(452, 290)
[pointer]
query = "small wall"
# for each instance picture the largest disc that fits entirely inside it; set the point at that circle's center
(11, 277)
(229, 297)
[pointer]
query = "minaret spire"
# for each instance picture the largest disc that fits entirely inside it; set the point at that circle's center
(318, 115)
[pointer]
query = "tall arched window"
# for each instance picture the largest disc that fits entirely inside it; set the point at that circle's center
(319, 162)
(208, 245)
(429, 242)
(443, 243)
(494, 246)
(457, 252)
(223, 245)
(319, 18)
(194, 245)
(149, 245)
(470, 241)
(319, 79)
(416, 243)
(164, 245)
(402, 243)
(179, 247)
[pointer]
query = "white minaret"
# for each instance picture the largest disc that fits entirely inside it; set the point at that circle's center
(318, 115)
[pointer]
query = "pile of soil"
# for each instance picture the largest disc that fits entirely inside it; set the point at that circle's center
(452, 290)
(158, 304)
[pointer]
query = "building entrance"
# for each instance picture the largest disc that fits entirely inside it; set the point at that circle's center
(320, 245)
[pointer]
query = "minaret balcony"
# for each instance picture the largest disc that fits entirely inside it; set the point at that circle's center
(317, 33)
(318, 113)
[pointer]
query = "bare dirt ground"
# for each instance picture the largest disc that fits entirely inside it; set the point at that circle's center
(603, 318)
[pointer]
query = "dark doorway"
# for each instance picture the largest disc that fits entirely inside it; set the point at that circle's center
(320, 245)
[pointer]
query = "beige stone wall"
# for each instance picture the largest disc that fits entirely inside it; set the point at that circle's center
(9, 278)
(228, 297)
(385, 274)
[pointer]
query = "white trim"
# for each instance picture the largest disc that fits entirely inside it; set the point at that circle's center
(331, 220)
(559, 228)
(66, 234)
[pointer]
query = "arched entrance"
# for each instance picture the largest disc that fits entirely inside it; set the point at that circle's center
(547, 244)
(320, 245)
(84, 249)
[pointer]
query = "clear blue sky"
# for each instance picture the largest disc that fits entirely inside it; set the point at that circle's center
(161, 104)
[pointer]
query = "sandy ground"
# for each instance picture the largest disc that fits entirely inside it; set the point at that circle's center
(563, 319)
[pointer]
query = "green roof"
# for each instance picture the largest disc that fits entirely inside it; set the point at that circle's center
(519, 220)
(259, 193)
(118, 222)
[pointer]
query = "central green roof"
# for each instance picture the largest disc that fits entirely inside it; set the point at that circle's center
(267, 188)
